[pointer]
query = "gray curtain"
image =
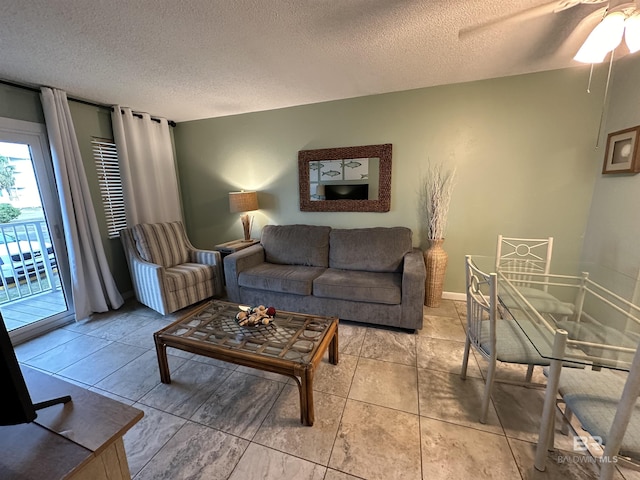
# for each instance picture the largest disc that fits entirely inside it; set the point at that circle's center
(93, 287)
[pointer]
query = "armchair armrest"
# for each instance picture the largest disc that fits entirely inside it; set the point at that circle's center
(236, 263)
(148, 280)
(414, 275)
(206, 257)
(209, 257)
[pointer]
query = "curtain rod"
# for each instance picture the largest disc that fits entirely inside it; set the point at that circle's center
(78, 100)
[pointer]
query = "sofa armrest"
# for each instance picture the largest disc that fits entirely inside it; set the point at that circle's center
(414, 274)
(236, 263)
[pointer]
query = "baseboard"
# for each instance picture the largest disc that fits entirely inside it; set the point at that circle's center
(454, 296)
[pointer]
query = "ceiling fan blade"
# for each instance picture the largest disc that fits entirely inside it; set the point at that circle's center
(526, 14)
(567, 4)
(576, 38)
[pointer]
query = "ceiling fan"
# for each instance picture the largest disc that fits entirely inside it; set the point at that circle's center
(618, 19)
(526, 14)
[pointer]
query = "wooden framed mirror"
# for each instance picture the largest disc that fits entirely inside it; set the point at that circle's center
(346, 179)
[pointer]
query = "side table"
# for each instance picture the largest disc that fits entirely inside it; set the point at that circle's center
(233, 246)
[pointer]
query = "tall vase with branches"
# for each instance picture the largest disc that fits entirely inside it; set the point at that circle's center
(437, 190)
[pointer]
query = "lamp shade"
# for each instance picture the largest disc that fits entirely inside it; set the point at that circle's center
(243, 201)
(632, 32)
(605, 37)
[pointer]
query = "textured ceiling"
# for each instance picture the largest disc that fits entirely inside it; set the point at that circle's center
(192, 59)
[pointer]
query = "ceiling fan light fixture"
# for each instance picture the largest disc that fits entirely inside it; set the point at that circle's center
(632, 32)
(605, 37)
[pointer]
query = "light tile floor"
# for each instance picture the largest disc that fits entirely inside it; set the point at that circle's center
(394, 407)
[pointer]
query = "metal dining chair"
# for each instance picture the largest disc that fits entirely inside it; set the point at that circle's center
(524, 256)
(525, 261)
(495, 338)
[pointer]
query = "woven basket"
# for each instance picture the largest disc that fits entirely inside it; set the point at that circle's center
(435, 259)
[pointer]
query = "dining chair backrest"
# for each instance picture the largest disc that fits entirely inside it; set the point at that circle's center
(482, 300)
(485, 323)
(521, 257)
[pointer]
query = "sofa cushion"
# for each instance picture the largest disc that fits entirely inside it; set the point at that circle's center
(296, 244)
(280, 278)
(377, 249)
(359, 286)
(161, 243)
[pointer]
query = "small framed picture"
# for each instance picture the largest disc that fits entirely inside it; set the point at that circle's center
(622, 153)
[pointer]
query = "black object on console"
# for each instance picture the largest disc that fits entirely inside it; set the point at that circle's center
(17, 405)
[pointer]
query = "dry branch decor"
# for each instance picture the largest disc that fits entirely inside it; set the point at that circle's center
(437, 190)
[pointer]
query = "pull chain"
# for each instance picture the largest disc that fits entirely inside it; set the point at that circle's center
(604, 100)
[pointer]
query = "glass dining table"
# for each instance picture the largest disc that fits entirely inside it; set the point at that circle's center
(582, 315)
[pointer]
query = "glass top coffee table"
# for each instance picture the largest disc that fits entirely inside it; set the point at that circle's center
(293, 344)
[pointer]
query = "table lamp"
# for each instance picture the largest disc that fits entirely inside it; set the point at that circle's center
(244, 202)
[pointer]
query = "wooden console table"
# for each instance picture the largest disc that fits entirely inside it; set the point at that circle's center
(79, 440)
(234, 246)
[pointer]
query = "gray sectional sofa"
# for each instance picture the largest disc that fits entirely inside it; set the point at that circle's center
(371, 275)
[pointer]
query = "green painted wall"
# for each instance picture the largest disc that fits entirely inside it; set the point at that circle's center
(614, 222)
(523, 147)
(20, 104)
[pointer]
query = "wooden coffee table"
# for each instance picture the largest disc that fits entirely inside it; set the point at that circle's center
(293, 344)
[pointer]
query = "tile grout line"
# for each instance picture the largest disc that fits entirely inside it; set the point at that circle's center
(419, 410)
(335, 438)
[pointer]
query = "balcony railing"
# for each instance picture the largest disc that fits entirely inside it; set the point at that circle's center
(27, 262)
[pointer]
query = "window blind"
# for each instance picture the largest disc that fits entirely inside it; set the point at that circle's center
(105, 156)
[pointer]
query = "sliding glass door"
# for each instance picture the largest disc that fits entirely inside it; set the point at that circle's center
(34, 278)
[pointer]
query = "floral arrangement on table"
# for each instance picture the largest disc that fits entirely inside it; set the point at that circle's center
(252, 316)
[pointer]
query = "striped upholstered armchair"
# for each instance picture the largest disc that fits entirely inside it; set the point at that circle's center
(168, 273)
